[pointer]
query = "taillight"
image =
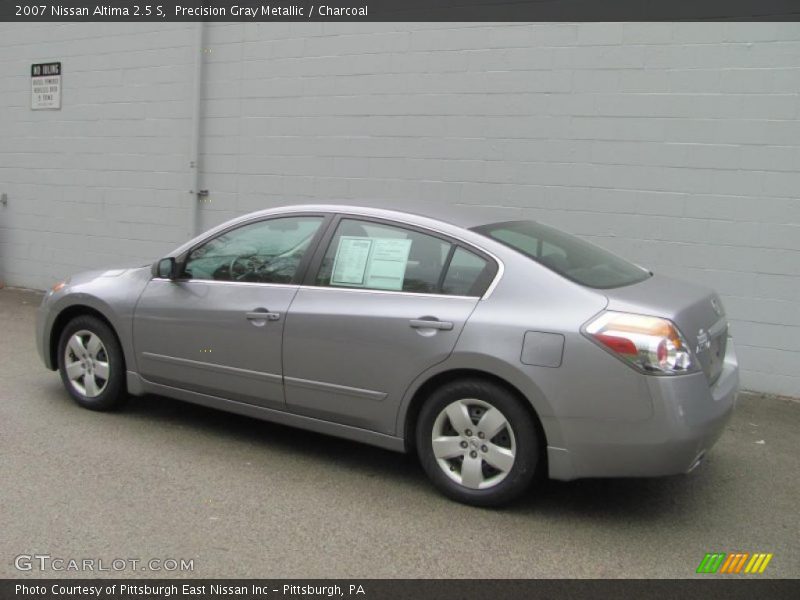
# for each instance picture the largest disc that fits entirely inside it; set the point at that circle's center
(650, 344)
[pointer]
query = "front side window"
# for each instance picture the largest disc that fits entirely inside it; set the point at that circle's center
(566, 254)
(263, 252)
(368, 255)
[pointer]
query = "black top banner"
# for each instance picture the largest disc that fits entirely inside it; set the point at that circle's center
(399, 10)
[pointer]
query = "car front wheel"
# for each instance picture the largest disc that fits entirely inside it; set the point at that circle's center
(477, 442)
(91, 364)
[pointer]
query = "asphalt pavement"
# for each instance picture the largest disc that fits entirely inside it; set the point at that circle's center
(238, 497)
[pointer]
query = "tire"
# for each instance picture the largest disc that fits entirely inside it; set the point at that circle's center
(465, 467)
(91, 364)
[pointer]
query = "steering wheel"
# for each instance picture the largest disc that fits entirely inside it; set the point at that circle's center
(243, 266)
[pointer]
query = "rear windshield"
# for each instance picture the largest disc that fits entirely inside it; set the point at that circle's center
(566, 254)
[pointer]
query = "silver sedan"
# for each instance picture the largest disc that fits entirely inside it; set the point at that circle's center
(497, 351)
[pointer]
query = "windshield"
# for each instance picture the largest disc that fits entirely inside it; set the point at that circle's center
(566, 254)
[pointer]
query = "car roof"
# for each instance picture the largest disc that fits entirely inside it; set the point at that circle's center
(461, 215)
(454, 220)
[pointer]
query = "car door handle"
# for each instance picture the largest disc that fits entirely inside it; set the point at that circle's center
(430, 324)
(262, 315)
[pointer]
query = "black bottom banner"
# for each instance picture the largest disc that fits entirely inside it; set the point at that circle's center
(387, 589)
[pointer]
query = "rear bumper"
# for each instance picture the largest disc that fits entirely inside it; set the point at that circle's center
(688, 418)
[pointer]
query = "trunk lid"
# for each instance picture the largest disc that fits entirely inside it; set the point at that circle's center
(696, 310)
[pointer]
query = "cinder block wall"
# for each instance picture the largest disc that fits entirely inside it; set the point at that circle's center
(677, 145)
(103, 180)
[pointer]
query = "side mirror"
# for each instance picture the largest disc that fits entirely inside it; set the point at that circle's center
(167, 268)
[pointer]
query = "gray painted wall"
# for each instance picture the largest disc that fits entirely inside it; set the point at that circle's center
(677, 145)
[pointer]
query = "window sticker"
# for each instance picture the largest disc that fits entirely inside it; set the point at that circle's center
(378, 263)
(387, 263)
(350, 264)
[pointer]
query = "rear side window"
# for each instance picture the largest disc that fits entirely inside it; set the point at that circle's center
(566, 254)
(379, 256)
(368, 255)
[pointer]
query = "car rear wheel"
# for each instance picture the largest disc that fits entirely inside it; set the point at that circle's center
(477, 442)
(91, 364)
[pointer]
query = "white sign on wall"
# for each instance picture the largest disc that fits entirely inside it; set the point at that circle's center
(46, 86)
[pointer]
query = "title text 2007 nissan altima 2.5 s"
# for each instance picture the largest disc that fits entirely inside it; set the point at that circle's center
(493, 349)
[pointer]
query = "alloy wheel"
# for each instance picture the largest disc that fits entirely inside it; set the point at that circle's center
(86, 363)
(473, 443)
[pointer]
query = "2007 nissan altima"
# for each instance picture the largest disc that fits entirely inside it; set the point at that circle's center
(493, 349)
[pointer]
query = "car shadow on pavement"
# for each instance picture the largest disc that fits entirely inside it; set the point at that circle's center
(629, 500)
(272, 436)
